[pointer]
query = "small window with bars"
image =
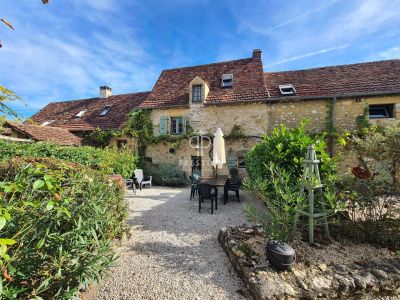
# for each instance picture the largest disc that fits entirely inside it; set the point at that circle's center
(196, 93)
(381, 111)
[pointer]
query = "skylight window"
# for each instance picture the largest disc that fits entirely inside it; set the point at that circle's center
(105, 111)
(80, 114)
(287, 89)
(227, 80)
(47, 123)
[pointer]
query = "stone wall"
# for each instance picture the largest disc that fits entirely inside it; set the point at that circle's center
(256, 119)
(291, 113)
(251, 117)
(182, 156)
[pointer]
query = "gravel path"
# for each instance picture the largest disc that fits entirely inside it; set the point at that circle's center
(173, 252)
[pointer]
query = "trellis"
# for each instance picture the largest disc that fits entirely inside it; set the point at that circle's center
(311, 184)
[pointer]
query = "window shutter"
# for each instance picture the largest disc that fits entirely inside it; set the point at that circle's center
(163, 125)
(184, 125)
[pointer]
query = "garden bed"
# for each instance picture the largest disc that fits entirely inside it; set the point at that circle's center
(336, 269)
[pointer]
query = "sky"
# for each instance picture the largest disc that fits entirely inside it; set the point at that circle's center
(66, 49)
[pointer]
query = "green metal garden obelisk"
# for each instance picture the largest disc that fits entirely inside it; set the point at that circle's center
(311, 184)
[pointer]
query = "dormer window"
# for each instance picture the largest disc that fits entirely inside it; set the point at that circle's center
(197, 93)
(47, 123)
(105, 111)
(80, 114)
(227, 80)
(287, 89)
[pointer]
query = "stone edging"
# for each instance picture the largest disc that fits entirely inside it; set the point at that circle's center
(308, 282)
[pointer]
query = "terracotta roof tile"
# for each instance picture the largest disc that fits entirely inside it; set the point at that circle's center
(355, 79)
(53, 135)
(172, 87)
(64, 113)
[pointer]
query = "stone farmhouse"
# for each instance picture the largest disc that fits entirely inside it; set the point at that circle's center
(240, 93)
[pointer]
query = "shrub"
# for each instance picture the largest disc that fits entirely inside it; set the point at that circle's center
(282, 199)
(373, 190)
(169, 174)
(286, 148)
(275, 168)
(58, 220)
(108, 161)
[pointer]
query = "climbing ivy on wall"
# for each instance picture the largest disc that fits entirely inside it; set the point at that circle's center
(140, 127)
(99, 138)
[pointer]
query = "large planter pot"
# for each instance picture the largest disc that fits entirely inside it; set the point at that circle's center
(280, 255)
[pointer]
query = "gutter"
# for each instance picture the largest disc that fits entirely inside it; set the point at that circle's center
(331, 123)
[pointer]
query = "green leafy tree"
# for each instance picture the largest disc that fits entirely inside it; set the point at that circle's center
(7, 96)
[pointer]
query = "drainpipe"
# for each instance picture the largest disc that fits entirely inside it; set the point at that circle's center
(331, 123)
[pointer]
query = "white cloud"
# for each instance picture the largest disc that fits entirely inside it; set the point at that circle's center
(52, 60)
(309, 54)
(391, 53)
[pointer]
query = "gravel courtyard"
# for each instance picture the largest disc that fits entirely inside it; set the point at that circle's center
(173, 252)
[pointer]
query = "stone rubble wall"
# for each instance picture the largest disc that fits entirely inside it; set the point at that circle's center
(367, 280)
(256, 119)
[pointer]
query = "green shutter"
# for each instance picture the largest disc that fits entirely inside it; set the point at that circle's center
(184, 125)
(163, 125)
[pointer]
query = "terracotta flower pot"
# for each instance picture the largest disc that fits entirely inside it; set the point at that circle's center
(118, 179)
(361, 173)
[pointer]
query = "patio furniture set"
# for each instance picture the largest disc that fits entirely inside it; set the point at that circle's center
(207, 189)
(138, 179)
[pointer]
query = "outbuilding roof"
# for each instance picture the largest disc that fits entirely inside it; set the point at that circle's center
(50, 134)
(64, 114)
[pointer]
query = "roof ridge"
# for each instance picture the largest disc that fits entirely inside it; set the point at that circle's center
(210, 64)
(97, 98)
(337, 66)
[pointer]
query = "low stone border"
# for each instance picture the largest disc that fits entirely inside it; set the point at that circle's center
(372, 277)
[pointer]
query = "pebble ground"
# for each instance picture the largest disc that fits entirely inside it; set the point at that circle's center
(173, 252)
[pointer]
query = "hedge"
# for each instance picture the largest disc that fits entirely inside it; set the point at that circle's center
(57, 220)
(108, 161)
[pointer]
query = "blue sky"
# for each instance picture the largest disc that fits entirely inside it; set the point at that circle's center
(67, 49)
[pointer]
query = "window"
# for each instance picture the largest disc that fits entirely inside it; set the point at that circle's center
(81, 113)
(227, 80)
(196, 93)
(47, 123)
(176, 125)
(287, 89)
(105, 110)
(381, 111)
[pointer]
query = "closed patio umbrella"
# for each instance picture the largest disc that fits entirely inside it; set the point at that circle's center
(218, 150)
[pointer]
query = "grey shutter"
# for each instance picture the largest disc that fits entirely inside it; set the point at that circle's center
(163, 125)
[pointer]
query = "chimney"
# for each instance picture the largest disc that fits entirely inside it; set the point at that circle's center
(105, 92)
(257, 54)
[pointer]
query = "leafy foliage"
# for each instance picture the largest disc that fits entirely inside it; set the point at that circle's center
(99, 138)
(108, 161)
(286, 148)
(7, 96)
(282, 198)
(169, 174)
(275, 167)
(140, 127)
(57, 222)
(374, 200)
(237, 132)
